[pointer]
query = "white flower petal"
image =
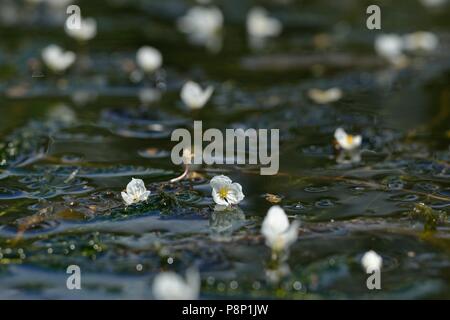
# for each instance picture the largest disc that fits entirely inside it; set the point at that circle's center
(389, 46)
(345, 141)
(218, 182)
(292, 233)
(144, 196)
(56, 59)
(135, 187)
(201, 22)
(171, 286)
(260, 25)
(194, 96)
(87, 30)
(276, 222)
(128, 199)
(149, 59)
(421, 41)
(371, 261)
(135, 192)
(235, 194)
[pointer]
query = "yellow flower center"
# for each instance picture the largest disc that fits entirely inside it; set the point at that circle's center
(223, 192)
(349, 139)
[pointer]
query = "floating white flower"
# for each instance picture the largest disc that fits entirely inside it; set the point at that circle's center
(171, 286)
(149, 59)
(225, 192)
(371, 261)
(421, 41)
(136, 192)
(194, 96)
(346, 141)
(260, 25)
(56, 59)
(389, 46)
(325, 96)
(276, 229)
(86, 32)
(203, 25)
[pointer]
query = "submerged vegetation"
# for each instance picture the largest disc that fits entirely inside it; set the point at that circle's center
(86, 176)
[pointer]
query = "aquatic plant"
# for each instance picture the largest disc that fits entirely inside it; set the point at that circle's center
(277, 230)
(194, 96)
(171, 286)
(225, 192)
(135, 192)
(56, 59)
(149, 59)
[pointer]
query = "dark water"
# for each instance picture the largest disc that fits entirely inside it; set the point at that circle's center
(69, 144)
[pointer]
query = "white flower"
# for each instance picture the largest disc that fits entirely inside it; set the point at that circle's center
(194, 96)
(389, 46)
(136, 192)
(346, 141)
(171, 286)
(371, 261)
(201, 22)
(277, 231)
(149, 59)
(86, 32)
(420, 41)
(225, 192)
(56, 59)
(260, 25)
(325, 96)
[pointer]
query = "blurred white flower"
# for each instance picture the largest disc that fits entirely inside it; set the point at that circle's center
(325, 96)
(433, 3)
(371, 261)
(389, 46)
(225, 192)
(346, 141)
(149, 59)
(202, 24)
(56, 59)
(260, 25)
(171, 286)
(136, 192)
(86, 32)
(63, 114)
(149, 95)
(421, 41)
(276, 229)
(194, 96)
